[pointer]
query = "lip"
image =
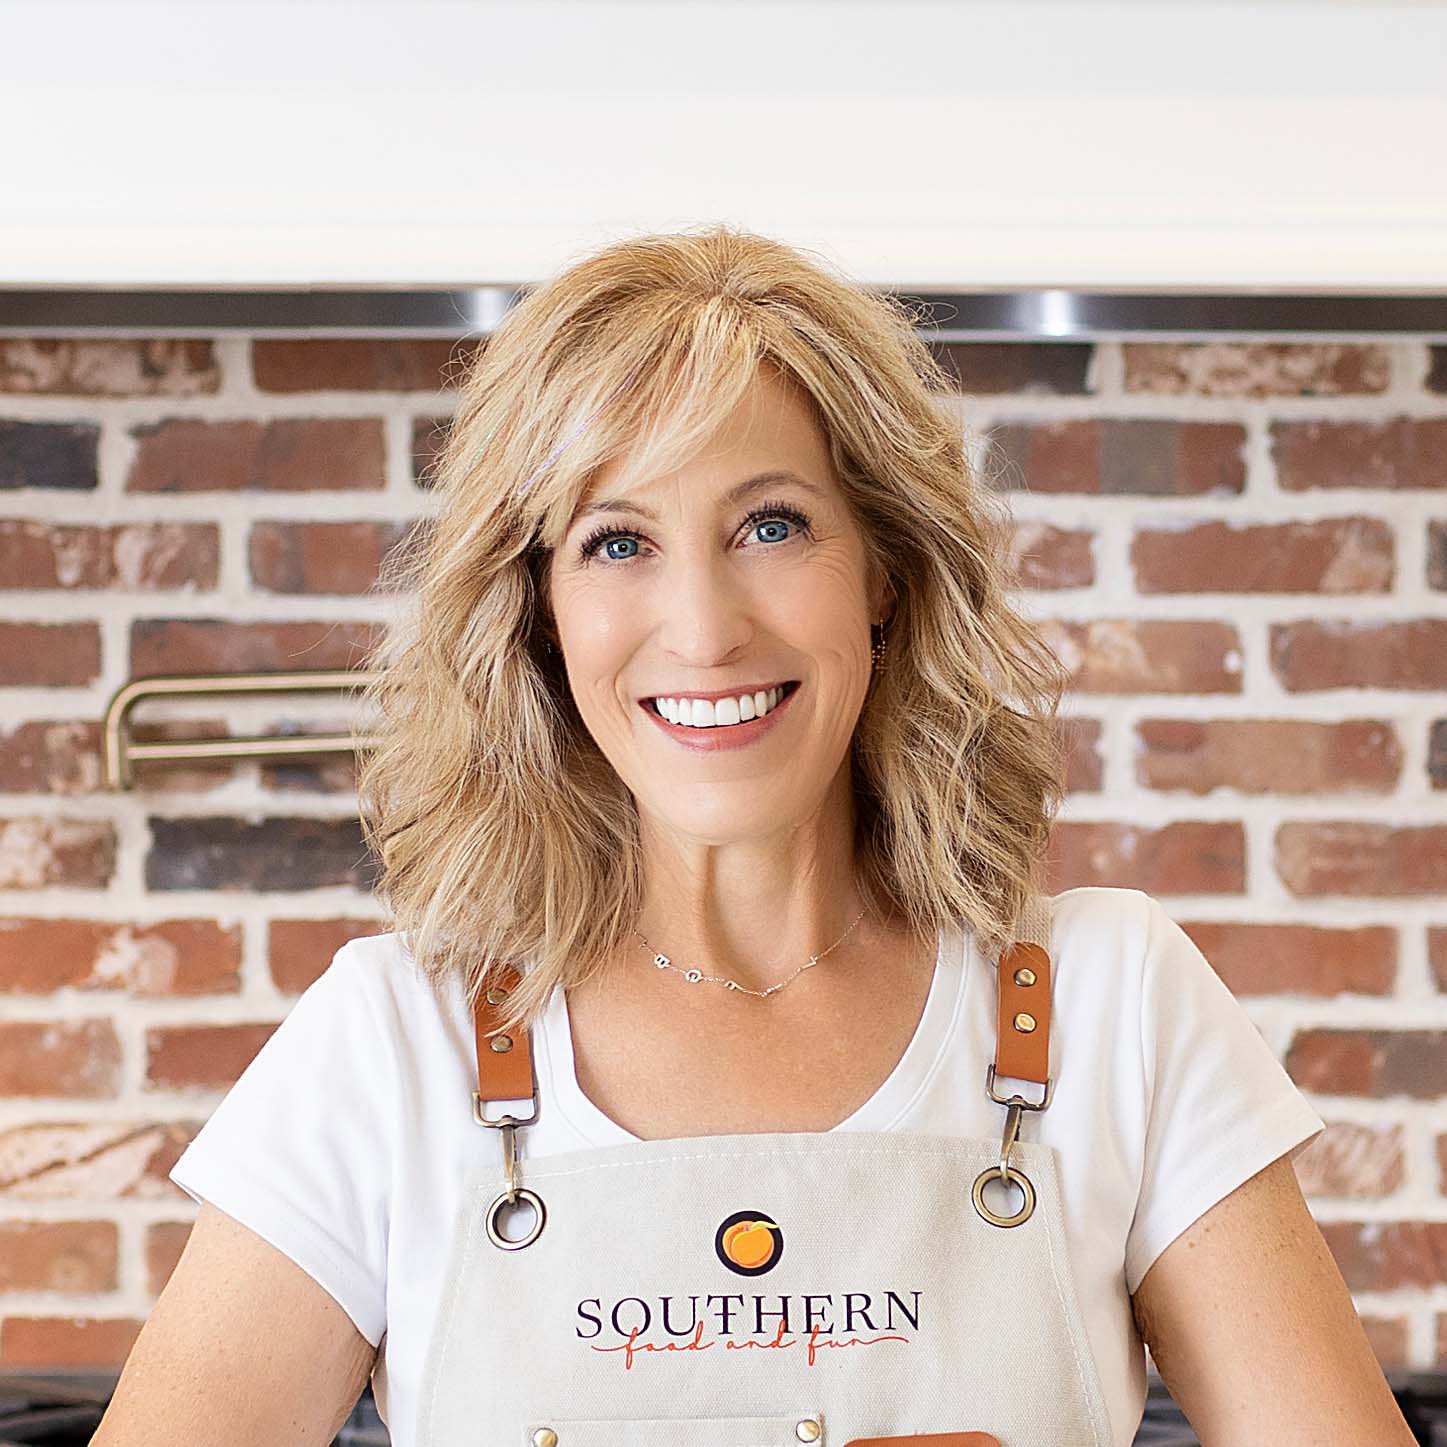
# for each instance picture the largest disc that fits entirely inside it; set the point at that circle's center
(731, 736)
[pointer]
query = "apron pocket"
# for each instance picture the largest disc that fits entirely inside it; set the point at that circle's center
(781, 1430)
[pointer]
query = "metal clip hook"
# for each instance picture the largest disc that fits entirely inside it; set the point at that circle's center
(1007, 1141)
(1014, 1105)
(509, 1161)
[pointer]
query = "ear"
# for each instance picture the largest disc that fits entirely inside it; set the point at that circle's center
(543, 620)
(882, 598)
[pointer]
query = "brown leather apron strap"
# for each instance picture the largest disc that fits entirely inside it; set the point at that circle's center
(1022, 1024)
(504, 1062)
(1022, 986)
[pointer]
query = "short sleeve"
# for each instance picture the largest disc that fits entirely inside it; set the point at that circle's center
(298, 1149)
(1220, 1106)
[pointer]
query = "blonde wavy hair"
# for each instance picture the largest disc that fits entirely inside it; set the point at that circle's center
(502, 832)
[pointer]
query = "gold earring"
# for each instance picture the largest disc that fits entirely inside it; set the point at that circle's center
(876, 651)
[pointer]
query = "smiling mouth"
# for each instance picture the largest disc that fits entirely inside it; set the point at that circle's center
(785, 689)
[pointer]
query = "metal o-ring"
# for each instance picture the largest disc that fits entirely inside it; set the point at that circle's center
(500, 1200)
(1007, 1173)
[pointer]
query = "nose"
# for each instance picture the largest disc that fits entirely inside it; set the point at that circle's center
(705, 611)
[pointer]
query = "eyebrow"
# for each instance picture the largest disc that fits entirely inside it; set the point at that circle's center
(735, 494)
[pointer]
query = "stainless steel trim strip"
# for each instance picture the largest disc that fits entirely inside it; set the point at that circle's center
(1042, 315)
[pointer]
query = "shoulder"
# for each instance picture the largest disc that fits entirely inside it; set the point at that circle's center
(388, 995)
(380, 969)
(1125, 945)
(370, 1011)
(1102, 928)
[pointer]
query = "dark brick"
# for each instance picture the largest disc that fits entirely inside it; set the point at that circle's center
(978, 368)
(321, 774)
(1437, 369)
(280, 854)
(48, 454)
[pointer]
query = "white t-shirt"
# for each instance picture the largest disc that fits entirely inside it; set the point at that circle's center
(345, 1140)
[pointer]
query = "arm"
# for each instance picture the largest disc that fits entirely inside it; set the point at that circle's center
(241, 1347)
(1254, 1332)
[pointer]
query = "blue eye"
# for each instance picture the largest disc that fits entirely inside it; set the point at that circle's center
(617, 538)
(767, 515)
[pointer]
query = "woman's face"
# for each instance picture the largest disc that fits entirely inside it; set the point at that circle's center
(718, 581)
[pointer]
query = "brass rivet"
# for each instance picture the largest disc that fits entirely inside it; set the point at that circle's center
(502, 1044)
(1024, 1023)
(496, 995)
(545, 1437)
(1024, 976)
(807, 1430)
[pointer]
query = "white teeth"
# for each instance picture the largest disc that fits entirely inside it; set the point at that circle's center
(714, 713)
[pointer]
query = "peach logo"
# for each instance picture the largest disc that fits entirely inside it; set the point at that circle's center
(749, 1243)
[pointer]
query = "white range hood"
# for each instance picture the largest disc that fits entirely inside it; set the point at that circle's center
(1150, 145)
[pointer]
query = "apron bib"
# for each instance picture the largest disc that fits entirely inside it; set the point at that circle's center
(841, 1289)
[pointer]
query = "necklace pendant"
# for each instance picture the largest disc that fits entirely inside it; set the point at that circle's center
(693, 976)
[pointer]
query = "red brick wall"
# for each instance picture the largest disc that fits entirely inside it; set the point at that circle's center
(1240, 549)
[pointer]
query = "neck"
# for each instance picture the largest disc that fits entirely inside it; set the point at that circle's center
(755, 908)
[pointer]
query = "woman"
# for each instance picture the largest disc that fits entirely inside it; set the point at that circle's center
(714, 780)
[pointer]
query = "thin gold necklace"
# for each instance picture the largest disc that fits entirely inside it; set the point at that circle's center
(694, 976)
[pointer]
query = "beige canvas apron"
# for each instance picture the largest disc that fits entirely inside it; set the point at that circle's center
(769, 1289)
